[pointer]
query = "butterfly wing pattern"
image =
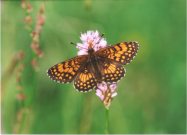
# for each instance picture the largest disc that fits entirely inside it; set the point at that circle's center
(85, 80)
(113, 59)
(110, 60)
(122, 53)
(111, 71)
(66, 71)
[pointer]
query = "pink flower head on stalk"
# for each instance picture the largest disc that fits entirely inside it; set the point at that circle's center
(106, 92)
(91, 37)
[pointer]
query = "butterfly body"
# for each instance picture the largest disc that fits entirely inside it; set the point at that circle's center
(93, 64)
(87, 71)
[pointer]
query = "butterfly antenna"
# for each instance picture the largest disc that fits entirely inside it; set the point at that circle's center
(78, 45)
(102, 35)
(72, 43)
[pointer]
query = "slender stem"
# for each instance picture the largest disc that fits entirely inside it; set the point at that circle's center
(86, 115)
(107, 121)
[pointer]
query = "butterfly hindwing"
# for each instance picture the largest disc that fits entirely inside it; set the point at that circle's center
(85, 80)
(121, 53)
(111, 71)
(66, 71)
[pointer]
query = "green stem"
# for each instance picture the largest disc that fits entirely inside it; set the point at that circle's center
(107, 121)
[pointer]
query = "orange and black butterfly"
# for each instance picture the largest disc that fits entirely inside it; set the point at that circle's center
(88, 70)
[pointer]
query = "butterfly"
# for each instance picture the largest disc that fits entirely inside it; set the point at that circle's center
(105, 64)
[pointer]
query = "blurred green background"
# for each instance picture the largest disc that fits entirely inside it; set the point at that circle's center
(151, 98)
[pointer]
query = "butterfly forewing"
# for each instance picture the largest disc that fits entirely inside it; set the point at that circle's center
(121, 53)
(66, 71)
(85, 80)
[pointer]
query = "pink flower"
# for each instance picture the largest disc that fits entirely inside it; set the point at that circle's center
(106, 92)
(92, 37)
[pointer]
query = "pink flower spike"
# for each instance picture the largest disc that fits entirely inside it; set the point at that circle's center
(106, 92)
(102, 86)
(99, 94)
(113, 87)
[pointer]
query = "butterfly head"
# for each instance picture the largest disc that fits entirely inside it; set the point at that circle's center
(90, 47)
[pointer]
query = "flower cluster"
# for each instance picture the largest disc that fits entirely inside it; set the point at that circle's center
(105, 91)
(91, 37)
(37, 31)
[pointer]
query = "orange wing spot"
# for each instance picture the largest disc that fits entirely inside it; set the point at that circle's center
(117, 55)
(123, 57)
(70, 70)
(108, 71)
(117, 59)
(117, 48)
(111, 56)
(86, 77)
(123, 46)
(105, 71)
(120, 52)
(66, 64)
(81, 77)
(129, 55)
(60, 69)
(76, 68)
(90, 76)
(111, 50)
(73, 73)
(72, 63)
(59, 65)
(66, 70)
(60, 78)
(112, 68)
